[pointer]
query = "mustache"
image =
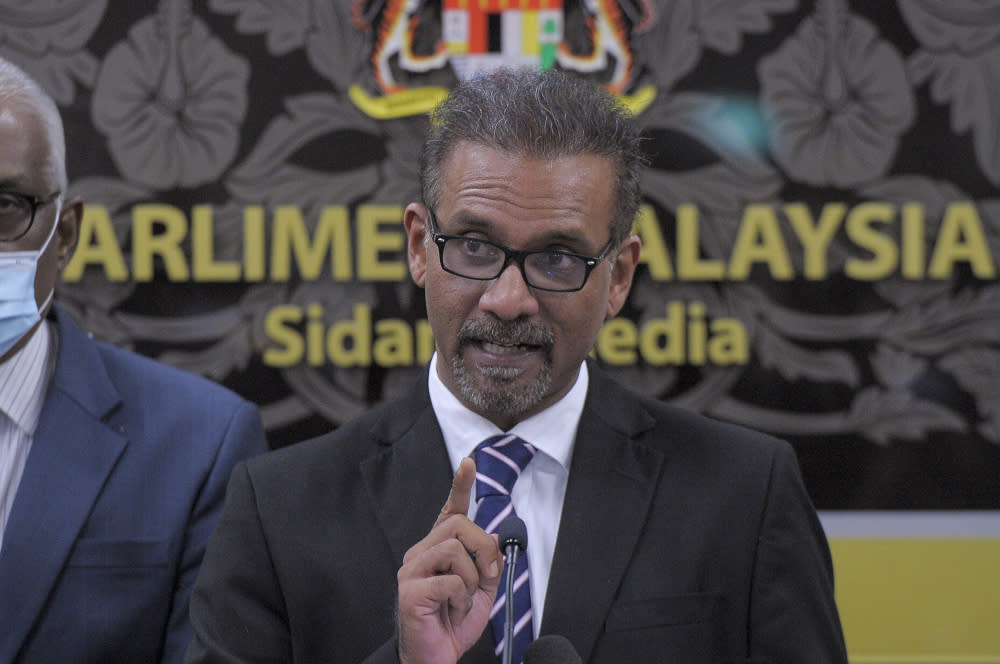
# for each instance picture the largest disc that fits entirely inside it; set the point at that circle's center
(506, 332)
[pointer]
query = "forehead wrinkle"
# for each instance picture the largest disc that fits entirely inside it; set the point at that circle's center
(524, 202)
(464, 222)
(549, 208)
(503, 191)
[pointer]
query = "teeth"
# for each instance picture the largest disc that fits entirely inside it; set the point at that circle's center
(499, 350)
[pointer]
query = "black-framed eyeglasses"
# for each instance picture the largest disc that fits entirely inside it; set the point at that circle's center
(17, 213)
(547, 269)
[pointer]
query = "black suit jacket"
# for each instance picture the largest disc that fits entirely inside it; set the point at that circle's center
(682, 540)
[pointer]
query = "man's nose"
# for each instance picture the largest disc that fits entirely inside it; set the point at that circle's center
(509, 296)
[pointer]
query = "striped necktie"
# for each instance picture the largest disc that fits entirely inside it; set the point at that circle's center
(499, 462)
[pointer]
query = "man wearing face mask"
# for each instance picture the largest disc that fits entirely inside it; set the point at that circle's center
(112, 467)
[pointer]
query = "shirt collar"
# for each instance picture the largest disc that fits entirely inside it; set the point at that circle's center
(552, 431)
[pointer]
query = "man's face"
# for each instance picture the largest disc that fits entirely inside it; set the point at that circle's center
(26, 168)
(508, 350)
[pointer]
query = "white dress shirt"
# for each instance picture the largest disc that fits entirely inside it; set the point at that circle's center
(538, 494)
(24, 379)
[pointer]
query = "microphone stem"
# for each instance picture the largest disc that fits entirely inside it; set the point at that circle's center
(508, 623)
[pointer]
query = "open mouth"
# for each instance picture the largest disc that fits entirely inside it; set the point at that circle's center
(500, 348)
(506, 339)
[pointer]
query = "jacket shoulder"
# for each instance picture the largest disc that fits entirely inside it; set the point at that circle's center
(666, 426)
(342, 449)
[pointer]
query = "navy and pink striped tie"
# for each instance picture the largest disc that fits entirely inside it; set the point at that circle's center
(499, 462)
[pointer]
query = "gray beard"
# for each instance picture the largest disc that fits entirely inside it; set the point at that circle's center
(494, 393)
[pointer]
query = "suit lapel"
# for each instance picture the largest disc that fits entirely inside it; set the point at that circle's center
(71, 457)
(612, 483)
(408, 480)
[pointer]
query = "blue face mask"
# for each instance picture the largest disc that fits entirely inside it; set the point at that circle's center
(19, 311)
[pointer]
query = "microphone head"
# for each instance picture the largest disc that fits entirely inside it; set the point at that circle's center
(512, 531)
(551, 649)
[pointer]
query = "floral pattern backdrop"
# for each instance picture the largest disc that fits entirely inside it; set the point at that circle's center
(888, 386)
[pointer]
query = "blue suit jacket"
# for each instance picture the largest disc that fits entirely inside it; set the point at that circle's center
(123, 485)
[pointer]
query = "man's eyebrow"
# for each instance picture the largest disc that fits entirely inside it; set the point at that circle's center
(11, 184)
(463, 222)
(470, 221)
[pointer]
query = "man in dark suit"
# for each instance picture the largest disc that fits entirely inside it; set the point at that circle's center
(112, 467)
(654, 534)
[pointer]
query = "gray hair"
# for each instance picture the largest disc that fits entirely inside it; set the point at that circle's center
(541, 115)
(18, 89)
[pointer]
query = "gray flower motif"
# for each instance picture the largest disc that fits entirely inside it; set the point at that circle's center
(961, 60)
(897, 368)
(884, 416)
(676, 33)
(285, 23)
(171, 100)
(977, 370)
(838, 99)
(269, 175)
(47, 39)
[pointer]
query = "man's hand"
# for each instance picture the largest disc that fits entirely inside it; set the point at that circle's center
(448, 582)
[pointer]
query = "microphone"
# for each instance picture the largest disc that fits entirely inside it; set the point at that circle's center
(512, 532)
(512, 535)
(551, 649)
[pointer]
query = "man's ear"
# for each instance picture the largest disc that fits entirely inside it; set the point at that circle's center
(416, 224)
(621, 274)
(68, 230)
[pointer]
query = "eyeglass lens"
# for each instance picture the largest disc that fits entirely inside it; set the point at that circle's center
(479, 259)
(16, 215)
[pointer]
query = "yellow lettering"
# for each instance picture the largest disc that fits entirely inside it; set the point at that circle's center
(912, 251)
(254, 243)
(393, 345)
(203, 263)
(760, 241)
(815, 238)
(690, 265)
(885, 253)
(661, 341)
(685, 336)
(315, 330)
(961, 240)
(166, 244)
(291, 238)
(617, 341)
(697, 334)
(373, 242)
(278, 326)
(729, 343)
(349, 343)
(654, 248)
(97, 245)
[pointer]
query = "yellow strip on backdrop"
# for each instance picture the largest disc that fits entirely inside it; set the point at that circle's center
(398, 104)
(638, 102)
(919, 600)
(529, 33)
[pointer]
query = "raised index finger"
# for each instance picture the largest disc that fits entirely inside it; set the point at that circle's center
(461, 491)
